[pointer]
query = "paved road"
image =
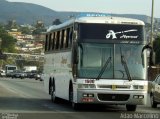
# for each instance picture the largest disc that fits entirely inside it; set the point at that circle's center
(26, 99)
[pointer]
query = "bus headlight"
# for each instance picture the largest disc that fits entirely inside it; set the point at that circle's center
(138, 96)
(84, 86)
(138, 87)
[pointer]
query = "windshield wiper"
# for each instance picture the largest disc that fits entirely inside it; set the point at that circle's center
(104, 68)
(123, 61)
(80, 45)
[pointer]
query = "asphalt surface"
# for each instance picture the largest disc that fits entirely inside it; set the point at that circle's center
(26, 99)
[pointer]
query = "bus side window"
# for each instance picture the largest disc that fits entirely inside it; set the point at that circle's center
(49, 42)
(57, 40)
(53, 40)
(62, 39)
(70, 36)
(46, 42)
(67, 37)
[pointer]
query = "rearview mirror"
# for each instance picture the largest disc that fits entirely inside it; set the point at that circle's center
(151, 54)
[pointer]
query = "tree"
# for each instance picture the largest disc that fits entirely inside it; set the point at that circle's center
(12, 25)
(56, 22)
(156, 47)
(39, 28)
(2, 56)
(8, 42)
(25, 30)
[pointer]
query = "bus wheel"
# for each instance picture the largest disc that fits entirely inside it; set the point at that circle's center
(53, 93)
(153, 103)
(75, 106)
(131, 107)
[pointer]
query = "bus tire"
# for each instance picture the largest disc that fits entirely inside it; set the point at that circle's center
(153, 103)
(53, 93)
(131, 107)
(75, 106)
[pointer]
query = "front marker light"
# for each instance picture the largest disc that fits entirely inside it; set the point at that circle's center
(84, 95)
(88, 95)
(138, 96)
(135, 96)
(141, 96)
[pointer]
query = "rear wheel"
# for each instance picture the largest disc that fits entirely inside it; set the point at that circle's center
(153, 103)
(131, 107)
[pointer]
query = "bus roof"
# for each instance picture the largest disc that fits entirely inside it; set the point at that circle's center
(98, 20)
(9, 65)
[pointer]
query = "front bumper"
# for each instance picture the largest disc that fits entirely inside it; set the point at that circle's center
(132, 97)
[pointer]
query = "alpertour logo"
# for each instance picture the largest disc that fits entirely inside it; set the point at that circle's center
(121, 34)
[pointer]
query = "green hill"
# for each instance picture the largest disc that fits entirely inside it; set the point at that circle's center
(26, 13)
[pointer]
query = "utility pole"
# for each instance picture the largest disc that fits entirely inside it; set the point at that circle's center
(152, 22)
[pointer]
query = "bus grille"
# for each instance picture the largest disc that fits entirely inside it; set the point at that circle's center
(113, 97)
(117, 86)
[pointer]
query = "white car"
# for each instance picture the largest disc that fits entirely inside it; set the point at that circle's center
(39, 77)
(2, 73)
(155, 92)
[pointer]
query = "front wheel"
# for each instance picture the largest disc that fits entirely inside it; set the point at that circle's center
(153, 103)
(131, 107)
(75, 106)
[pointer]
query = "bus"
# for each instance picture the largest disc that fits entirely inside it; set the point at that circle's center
(9, 69)
(97, 60)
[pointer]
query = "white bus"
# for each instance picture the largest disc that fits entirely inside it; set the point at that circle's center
(9, 69)
(97, 60)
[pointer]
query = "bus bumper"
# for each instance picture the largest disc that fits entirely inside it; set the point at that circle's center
(112, 97)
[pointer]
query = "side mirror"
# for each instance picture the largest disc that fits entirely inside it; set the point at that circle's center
(74, 58)
(75, 36)
(151, 54)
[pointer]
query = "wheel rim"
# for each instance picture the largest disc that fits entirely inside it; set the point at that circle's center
(71, 95)
(52, 94)
(74, 105)
(151, 99)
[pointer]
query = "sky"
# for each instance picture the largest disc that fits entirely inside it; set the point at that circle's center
(105, 6)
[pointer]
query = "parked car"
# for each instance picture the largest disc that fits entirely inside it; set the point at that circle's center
(155, 92)
(32, 74)
(2, 73)
(18, 74)
(39, 76)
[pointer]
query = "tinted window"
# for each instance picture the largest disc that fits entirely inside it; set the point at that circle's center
(11, 68)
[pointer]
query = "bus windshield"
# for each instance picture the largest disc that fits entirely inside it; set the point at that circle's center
(94, 56)
(109, 32)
